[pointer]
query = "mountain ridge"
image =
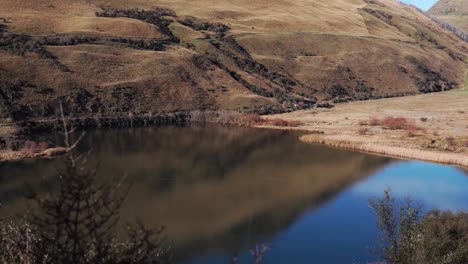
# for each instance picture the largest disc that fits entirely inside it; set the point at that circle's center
(454, 12)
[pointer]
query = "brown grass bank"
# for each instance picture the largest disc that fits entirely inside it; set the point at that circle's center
(430, 127)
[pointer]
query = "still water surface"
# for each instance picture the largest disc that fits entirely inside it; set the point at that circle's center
(221, 191)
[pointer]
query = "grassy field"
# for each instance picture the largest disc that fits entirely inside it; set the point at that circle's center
(432, 127)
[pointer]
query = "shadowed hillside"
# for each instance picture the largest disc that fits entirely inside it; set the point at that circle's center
(104, 57)
(452, 11)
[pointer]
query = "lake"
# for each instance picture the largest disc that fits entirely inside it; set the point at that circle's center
(221, 191)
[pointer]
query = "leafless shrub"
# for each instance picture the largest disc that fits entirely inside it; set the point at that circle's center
(254, 119)
(75, 224)
(229, 118)
(18, 243)
(411, 237)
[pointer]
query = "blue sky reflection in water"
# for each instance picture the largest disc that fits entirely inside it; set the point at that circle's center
(344, 229)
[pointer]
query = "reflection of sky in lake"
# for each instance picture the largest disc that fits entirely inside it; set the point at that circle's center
(344, 230)
(436, 186)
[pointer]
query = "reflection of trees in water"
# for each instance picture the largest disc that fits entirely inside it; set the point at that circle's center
(216, 188)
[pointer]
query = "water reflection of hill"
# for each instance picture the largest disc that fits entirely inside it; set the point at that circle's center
(213, 188)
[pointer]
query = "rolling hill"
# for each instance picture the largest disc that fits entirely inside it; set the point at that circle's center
(454, 12)
(104, 57)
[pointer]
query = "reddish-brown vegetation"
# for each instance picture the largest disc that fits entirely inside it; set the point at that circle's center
(284, 123)
(363, 131)
(294, 123)
(279, 122)
(411, 131)
(450, 140)
(394, 123)
(374, 121)
(254, 119)
(32, 147)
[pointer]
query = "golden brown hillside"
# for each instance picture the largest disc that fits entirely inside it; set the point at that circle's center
(452, 11)
(140, 56)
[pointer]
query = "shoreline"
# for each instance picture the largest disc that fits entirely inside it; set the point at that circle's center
(436, 128)
(452, 159)
(441, 134)
(11, 131)
(372, 148)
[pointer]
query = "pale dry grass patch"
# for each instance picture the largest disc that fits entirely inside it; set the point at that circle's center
(346, 142)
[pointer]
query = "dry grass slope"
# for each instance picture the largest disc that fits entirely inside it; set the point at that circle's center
(452, 11)
(103, 57)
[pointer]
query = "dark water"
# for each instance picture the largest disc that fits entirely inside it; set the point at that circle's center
(221, 191)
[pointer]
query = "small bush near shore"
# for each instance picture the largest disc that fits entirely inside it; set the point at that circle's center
(410, 236)
(284, 123)
(75, 225)
(394, 123)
